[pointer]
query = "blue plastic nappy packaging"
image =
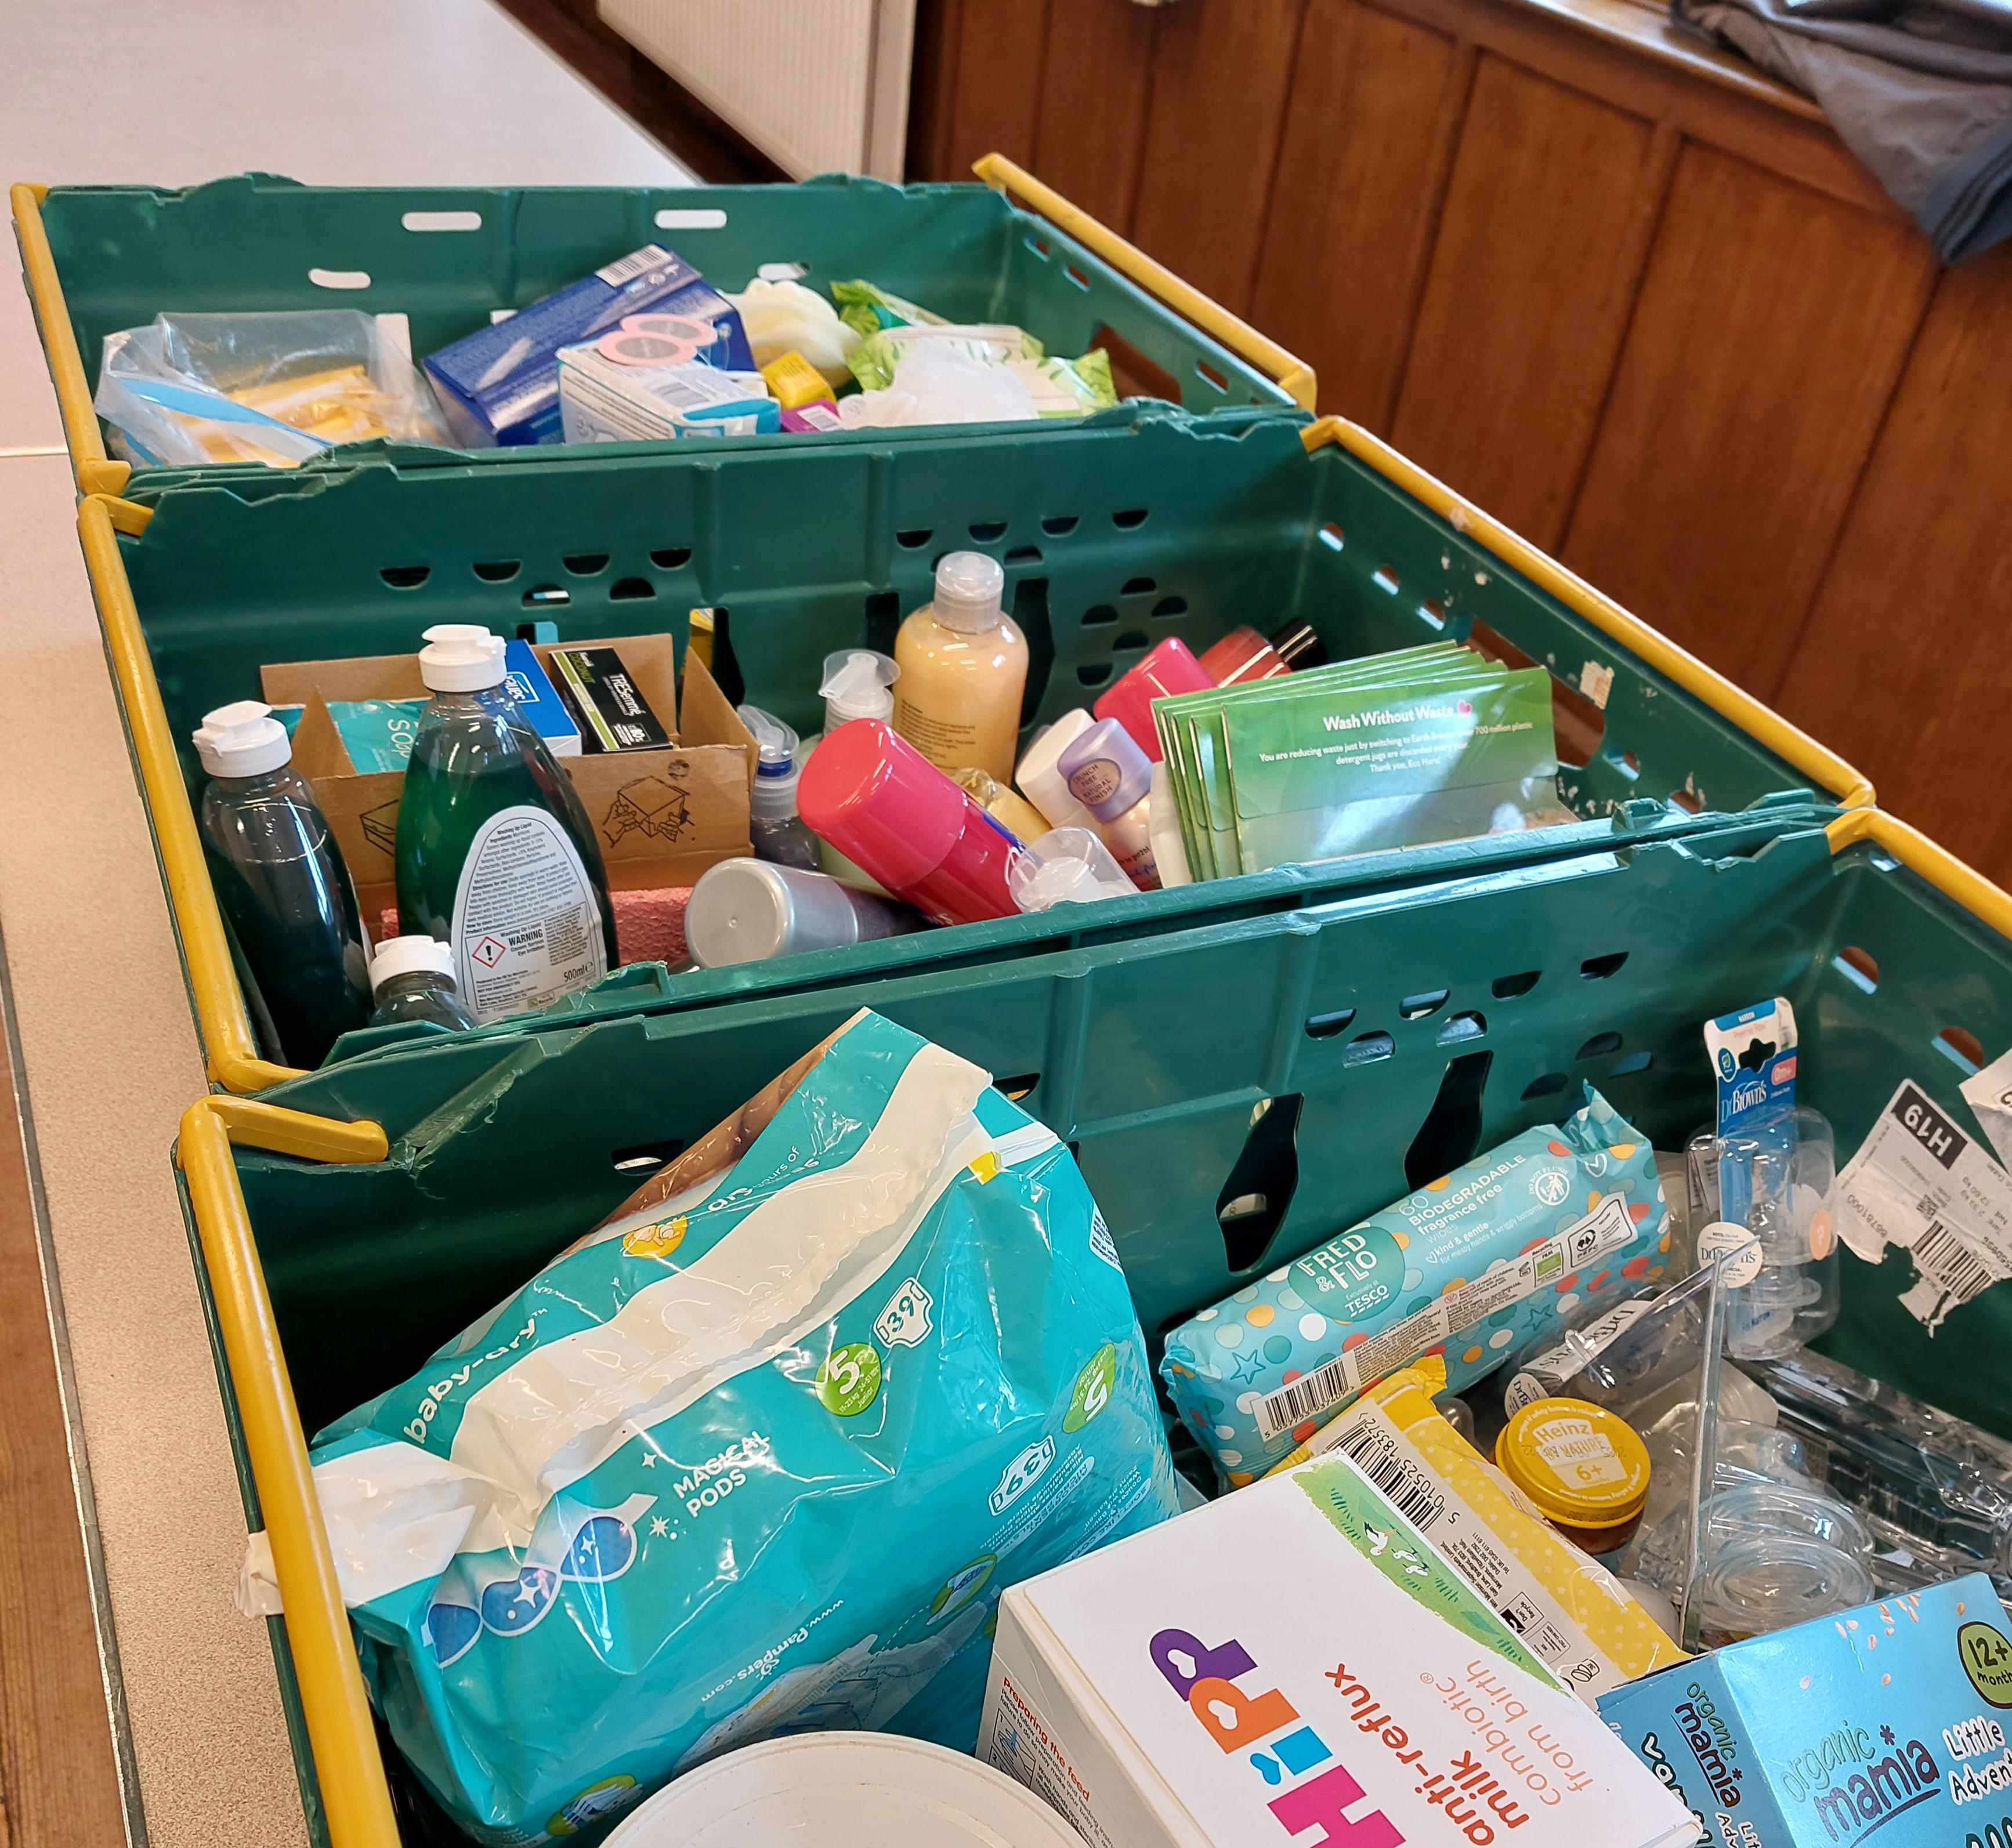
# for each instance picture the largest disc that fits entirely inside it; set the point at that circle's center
(500, 384)
(1886, 1725)
(1472, 1266)
(756, 1456)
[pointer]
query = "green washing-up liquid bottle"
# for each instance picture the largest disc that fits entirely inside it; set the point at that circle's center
(496, 857)
(281, 884)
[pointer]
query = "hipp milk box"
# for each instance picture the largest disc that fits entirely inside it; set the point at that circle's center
(1885, 1725)
(1291, 1665)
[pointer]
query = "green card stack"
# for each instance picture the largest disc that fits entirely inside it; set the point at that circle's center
(1426, 744)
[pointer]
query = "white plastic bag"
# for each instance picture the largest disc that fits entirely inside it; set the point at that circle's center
(936, 383)
(275, 388)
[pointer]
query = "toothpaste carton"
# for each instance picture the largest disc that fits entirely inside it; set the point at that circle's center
(1885, 1725)
(1291, 1665)
(1473, 1266)
(500, 384)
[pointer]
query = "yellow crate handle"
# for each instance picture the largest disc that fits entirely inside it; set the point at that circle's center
(231, 1050)
(1951, 877)
(1825, 768)
(354, 1797)
(96, 473)
(1293, 375)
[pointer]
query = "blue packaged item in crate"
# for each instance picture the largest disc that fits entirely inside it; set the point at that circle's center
(1472, 1265)
(500, 384)
(756, 1456)
(1886, 1724)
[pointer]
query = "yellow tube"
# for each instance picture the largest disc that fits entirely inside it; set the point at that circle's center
(231, 1050)
(1826, 770)
(1293, 375)
(355, 1798)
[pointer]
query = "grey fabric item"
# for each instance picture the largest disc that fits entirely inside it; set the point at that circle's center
(1920, 90)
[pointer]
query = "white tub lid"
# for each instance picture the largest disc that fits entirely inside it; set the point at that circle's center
(844, 1787)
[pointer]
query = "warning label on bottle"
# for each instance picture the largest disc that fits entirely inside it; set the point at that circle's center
(527, 928)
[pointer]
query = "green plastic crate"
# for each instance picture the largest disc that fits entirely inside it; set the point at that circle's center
(446, 257)
(1390, 1036)
(1167, 526)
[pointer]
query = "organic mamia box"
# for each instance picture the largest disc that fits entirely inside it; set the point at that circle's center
(1886, 1724)
(1291, 1665)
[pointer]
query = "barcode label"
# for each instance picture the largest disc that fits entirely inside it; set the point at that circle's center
(637, 263)
(1608, 1226)
(1279, 1411)
(1412, 1490)
(1941, 1256)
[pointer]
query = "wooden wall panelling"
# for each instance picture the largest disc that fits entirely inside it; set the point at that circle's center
(995, 82)
(1374, 118)
(1221, 69)
(1096, 84)
(1539, 241)
(1768, 336)
(1904, 667)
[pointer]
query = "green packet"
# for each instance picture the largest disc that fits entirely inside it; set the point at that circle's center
(869, 309)
(1070, 387)
(1216, 812)
(1317, 778)
(1190, 728)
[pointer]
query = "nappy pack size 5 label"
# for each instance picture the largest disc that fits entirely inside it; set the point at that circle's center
(1472, 1266)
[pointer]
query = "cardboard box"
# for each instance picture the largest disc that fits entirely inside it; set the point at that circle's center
(1886, 1724)
(661, 816)
(1290, 1664)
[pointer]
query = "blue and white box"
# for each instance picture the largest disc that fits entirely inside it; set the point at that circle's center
(538, 699)
(500, 385)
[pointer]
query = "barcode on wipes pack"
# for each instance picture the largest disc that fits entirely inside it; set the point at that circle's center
(1408, 1489)
(1278, 1410)
(637, 263)
(1942, 1257)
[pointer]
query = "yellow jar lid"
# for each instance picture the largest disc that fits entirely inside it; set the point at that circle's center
(1582, 1465)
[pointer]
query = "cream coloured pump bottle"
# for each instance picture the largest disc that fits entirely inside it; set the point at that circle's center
(964, 668)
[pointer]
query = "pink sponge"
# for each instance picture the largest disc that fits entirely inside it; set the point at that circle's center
(649, 926)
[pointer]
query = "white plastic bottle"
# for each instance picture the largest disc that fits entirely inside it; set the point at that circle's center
(1163, 819)
(1108, 774)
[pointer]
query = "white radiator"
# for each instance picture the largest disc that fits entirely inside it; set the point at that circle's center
(817, 85)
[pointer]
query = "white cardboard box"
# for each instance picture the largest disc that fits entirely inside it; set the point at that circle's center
(1249, 1673)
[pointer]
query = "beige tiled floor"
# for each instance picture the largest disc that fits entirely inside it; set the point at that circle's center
(345, 92)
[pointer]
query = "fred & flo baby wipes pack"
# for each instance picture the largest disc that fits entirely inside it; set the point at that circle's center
(1472, 1265)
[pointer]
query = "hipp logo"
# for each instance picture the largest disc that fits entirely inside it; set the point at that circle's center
(1285, 1747)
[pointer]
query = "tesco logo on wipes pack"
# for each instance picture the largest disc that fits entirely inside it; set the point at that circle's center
(1282, 1746)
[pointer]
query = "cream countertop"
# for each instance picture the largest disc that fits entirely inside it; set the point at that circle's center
(355, 92)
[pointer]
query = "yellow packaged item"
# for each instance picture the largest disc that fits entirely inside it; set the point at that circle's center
(794, 380)
(1568, 1608)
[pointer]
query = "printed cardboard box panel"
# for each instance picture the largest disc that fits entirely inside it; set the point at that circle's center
(1885, 1725)
(1292, 1660)
(663, 817)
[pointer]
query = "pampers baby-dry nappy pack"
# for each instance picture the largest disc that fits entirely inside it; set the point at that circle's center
(756, 1456)
(1885, 1725)
(1474, 1266)
(1294, 1665)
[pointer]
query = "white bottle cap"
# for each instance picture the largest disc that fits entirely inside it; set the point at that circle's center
(460, 658)
(774, 795)
(856, 685)
(408, 955)
(969, 589)
(242, 739)
(1040, 775)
